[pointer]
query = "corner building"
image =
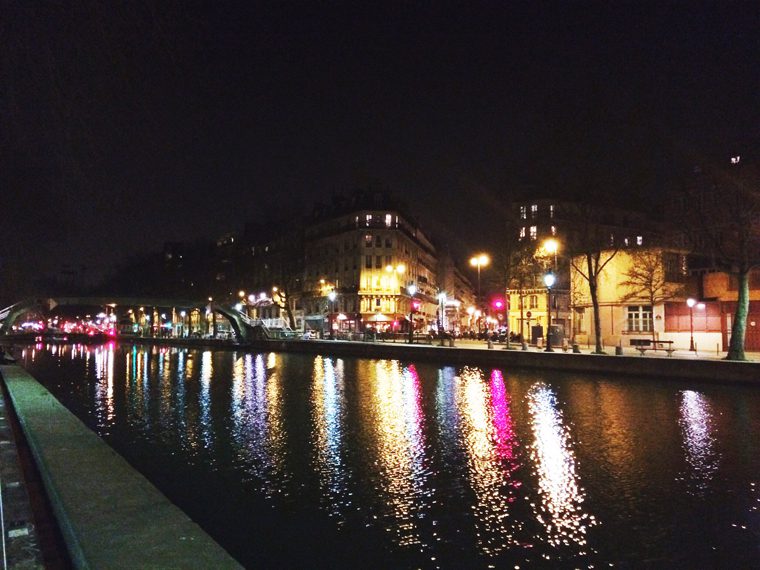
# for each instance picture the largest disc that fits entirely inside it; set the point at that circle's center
(366, 250)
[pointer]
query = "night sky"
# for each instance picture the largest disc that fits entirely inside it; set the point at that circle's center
(128, 124)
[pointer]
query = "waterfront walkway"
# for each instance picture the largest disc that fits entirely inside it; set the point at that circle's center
(626, 350)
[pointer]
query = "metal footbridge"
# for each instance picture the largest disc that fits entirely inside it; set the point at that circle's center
(244, 327)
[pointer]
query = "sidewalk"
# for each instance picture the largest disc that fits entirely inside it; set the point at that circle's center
(627, 351)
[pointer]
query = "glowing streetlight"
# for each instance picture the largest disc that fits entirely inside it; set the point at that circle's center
(551, 246)
(691, 304)
(479, 260)
(549, 282)
(412, 290)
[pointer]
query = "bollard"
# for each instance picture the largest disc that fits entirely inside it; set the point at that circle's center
(618, 350)
(525, 345)
(451, 342)
(576, 348)
(490, 343)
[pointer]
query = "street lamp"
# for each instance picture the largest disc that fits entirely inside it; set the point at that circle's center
(549, 282)
(331, 295)
(551, 246)
(411, 290)
(692, 303)
(441, 304)
(480, 260)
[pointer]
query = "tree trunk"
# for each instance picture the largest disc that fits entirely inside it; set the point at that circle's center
(592, 288)
(739, 325)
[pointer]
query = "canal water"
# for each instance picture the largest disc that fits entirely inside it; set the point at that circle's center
(302, 461)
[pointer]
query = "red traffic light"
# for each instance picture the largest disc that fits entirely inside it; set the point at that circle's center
(498, 304)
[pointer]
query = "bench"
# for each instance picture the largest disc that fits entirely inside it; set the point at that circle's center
(644, 344)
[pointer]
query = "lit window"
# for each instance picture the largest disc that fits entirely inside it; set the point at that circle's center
(533, 232)
(388, 220)
(639, 240)
(368, 240)
(640, 318)
(551, 210)
(554, 230)
(533, 301)
(522, 232)
(523, 213)
(368, 218)
(533, 210)
(625, 241)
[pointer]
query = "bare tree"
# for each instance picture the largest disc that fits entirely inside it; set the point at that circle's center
(647, 280)
(721, 219)
(592, 251)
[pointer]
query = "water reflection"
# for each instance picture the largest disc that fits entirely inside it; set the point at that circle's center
(560, 511)
(400, 446)
(457, 467)
(490, 444)
(104, 405)
(258, 431)
(328, 403)
(696, 421)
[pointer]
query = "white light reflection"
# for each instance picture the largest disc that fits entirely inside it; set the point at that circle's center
(328, 410)
(400, 448)
(696, 421)
(560, 511)
(258, 432)
(104, 404)
(204, 400)
(490, 444)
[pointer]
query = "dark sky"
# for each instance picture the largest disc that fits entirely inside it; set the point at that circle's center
(127, 124)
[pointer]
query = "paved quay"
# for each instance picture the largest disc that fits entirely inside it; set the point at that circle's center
(20, 543)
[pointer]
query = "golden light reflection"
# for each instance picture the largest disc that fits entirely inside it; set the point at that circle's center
(397, 423)
(699, 442)
(328, 411)
(490, 444)
(561, 511)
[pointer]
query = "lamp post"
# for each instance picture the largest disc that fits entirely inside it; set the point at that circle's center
(480, 260)
(549, 281)
(412, 290)
(692, 303)
(551, 246)
(441, 303)
(331, 296)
